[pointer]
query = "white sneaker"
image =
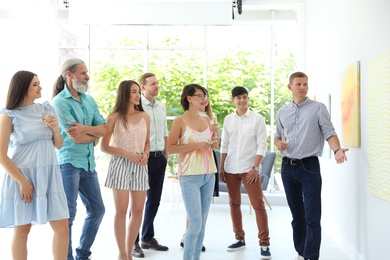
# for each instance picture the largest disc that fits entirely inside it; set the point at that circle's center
(299, 257)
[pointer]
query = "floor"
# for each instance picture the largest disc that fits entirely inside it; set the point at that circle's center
(169, 227)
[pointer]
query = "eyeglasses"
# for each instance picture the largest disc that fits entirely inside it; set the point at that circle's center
(202, 96)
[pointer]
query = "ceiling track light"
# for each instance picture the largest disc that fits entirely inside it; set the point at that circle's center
(66, 3)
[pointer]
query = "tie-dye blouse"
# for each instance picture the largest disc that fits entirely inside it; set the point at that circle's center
(198, 161)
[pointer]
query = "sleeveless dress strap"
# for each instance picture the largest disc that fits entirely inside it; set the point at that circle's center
(183, 120)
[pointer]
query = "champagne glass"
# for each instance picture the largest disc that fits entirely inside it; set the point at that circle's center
(285, 137)
(214, 120)
(214, 129)
(214, 124)
(46, 113)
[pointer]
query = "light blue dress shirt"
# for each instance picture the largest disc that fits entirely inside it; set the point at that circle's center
(158, 123)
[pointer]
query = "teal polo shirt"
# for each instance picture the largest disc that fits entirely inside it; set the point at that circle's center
(86, 112)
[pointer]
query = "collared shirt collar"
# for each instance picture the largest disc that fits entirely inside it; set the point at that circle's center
(246, 113)
(303, 103)
(67, 93)
(146, 102)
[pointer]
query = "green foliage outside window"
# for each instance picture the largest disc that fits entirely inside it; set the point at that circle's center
(177, 68)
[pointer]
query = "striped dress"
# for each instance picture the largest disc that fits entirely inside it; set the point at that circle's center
(123, 174)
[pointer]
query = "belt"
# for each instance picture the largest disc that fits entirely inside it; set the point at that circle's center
(156, 154)
(293, 161)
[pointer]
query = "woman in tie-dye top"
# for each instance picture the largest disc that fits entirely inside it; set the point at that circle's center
(191, 137)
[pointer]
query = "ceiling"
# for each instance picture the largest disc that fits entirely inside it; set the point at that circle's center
(156, 12)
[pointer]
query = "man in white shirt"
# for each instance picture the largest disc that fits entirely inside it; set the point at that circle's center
(157, 162)
(243, 147)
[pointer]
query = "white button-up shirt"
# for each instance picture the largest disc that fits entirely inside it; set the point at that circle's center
(243, 137)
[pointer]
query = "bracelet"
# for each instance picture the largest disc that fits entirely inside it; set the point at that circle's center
(336, 151)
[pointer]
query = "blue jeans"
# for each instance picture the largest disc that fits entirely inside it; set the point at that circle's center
(78, 181)
(197, 192)
(302, 184)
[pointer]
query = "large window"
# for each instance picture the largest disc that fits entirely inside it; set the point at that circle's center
(218, 57)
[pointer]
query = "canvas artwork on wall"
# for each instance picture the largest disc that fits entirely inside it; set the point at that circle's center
(350, 105)
(379, 125)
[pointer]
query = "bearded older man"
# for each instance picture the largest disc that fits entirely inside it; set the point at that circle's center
(81, 126)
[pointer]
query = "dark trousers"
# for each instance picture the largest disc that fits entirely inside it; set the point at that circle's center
(302, 183)
(156, 172)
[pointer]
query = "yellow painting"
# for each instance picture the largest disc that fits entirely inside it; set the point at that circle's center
(350, 105)
(378, 126)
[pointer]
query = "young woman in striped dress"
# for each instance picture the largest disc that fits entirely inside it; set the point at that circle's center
(127, 141)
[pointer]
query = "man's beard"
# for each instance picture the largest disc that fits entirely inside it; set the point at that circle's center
(79, 86)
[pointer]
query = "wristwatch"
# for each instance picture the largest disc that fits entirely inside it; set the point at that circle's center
(255, 168)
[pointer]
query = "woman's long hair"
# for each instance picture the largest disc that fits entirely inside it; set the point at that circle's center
(208, 109)
(18, 88)
(122, 103)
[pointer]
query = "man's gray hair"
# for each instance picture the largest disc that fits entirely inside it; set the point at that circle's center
(71, 65)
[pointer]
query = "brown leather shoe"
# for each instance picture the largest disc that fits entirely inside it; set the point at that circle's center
(137, 251)
(153, 244)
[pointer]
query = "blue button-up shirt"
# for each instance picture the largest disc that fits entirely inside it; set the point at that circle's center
(69, 109)
(307, 126)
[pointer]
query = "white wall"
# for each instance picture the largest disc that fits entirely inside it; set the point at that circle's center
(29, 42)
(338, 34)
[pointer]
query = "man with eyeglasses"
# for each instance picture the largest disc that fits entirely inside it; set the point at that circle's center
(243, 147)
(157, 162)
